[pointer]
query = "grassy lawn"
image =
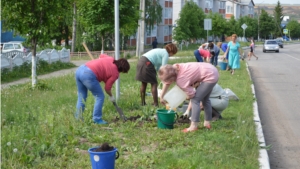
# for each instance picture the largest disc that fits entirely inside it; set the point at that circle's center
(39, 129)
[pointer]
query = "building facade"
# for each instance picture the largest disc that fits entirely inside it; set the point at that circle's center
(171, 9)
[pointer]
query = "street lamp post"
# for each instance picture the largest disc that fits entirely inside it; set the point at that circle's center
(258, 20)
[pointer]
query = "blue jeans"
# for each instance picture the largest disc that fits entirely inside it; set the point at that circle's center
(86, 80)
(214, 59)
(198, 56)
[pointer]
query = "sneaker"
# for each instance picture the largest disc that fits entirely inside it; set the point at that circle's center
(100, 121)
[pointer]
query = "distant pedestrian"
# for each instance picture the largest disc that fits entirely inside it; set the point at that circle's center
(251, 53)
(214, 48)
(154, 43)
(203, 55)
(234, 56)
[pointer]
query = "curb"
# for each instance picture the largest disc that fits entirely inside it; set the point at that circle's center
(263, 154)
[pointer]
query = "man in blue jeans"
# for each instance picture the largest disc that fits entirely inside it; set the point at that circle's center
(216, 50)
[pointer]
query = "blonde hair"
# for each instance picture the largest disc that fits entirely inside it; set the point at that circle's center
(167, 73)
(234, 35)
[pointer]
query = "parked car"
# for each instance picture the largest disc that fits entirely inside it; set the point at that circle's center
(280, 43)
(271, 45)
(12, 46)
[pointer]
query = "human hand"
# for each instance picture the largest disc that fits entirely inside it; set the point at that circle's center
(112, 99)
(195, 85)
(162, 101)
(186, 113)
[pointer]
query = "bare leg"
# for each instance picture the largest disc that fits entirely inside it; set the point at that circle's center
(254, 55)
(249, 56)
(154, 93)
(143, 93)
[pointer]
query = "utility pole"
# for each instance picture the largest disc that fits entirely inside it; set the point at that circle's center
(258, 20)
(258, 23)
(117, 44)
(141, 31)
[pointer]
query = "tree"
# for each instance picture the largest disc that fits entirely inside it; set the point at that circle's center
(153, 13)
(251, 23)
(190, 24)
(218, 24)
(232, 26)
(294, 28)
(278, 16)
(266, 24)
(96, 16)
(34, 19)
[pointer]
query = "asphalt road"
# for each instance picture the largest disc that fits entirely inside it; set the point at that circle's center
(276, 77)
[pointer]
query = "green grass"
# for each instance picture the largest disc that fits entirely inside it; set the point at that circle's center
(40, 124)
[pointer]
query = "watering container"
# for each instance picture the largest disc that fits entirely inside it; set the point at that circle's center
(223, 65)
(103, 160)
(175, 97)
(165, 118)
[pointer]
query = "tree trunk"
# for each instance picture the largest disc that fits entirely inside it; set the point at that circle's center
(102, 50)
(33, 63)
(74, 28)
(66, 35)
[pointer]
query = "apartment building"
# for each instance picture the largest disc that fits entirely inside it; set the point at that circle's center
(172, 8)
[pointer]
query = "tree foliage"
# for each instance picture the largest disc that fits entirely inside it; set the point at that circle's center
(251, 30)
(266, 24)
(97, 18)
(218, 24)
(278, 16)
(36, 20)
(232, 27)
(294, 28)
(190, 24)
(153, 13)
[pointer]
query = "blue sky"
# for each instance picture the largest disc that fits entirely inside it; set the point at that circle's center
(275, 1)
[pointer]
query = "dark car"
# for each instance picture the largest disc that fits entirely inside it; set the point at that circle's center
(280, 43)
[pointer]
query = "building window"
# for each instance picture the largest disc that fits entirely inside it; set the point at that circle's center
(207, 4)
(229, 9)
(166, 31)
(153, 32)
(222, 5)
(168, 13)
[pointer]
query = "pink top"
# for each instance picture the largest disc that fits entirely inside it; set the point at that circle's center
(192, 72)
(105, 70)
(204, 53)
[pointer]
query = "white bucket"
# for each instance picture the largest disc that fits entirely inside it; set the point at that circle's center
(175, 97)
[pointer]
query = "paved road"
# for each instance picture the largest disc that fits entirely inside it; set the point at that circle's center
(277, 83)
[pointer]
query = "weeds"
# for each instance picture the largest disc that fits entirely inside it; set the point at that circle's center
(39, 129)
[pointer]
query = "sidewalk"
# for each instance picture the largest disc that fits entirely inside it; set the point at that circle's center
(53, 74)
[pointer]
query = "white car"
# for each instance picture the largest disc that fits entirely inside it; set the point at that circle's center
(271, 45)
(12, 46)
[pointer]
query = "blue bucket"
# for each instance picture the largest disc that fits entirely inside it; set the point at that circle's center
(223, 65)
(103, 160)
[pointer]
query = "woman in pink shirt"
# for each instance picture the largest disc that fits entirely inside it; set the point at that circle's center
(105, 69)
(186, 76)
(203, 55)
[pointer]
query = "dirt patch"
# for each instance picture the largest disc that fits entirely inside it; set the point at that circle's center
(103, 148)
(183, 119)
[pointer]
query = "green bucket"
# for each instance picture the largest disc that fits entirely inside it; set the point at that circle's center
(165, 118)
